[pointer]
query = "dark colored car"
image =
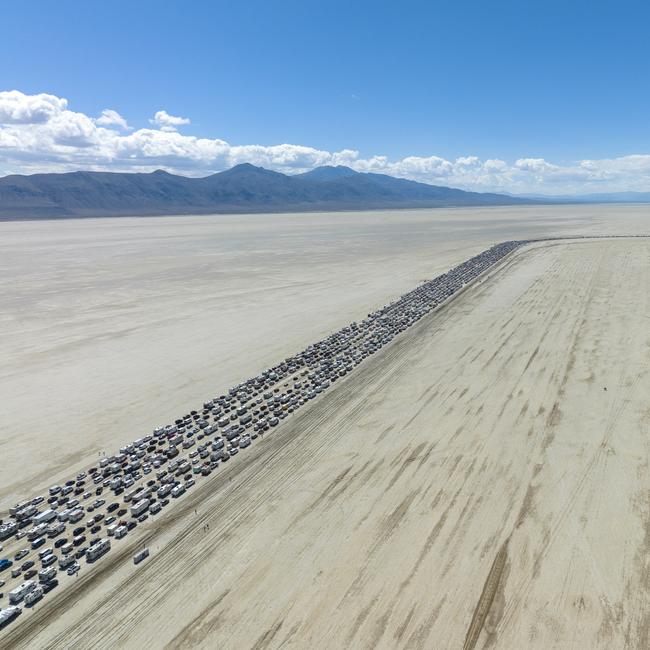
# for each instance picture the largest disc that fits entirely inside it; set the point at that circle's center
(78, 531)
(96, 528)
(60, 542)
(81, 552)
(30, 574)
(121, 512)
(49, 585)
(27, 565)
(113, 506)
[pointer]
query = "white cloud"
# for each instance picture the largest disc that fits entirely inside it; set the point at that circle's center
(167, 122)
(18, 108)
(109, 117)
(39, 133)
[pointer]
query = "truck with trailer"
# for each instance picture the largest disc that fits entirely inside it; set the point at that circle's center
(45, 517)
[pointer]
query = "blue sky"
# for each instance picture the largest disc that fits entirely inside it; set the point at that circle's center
(548, 81)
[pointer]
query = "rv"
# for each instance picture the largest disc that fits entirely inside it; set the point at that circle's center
(26, 512)
(8, 614)
(120, 532)
(75, 516)
(17, 594)
(139, 507)
(66, 561)
(47, 574)
(32, 596)
(98, 549)
(140, 555)
(8, 529)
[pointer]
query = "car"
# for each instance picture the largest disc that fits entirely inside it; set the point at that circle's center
(77, 531)
(87, 495)
(164, 502)
(142, 517)
(80, 552)
(21, 554)
(27, 565)
(121, 512)
(5, 564)
(49, 585)
(113, 506)
(99, 490)
(90, 508)
(99, 517)
(96, 528)
(99, 503)
(79, 540)
(73, 569)
(131, 525)
(30, 574)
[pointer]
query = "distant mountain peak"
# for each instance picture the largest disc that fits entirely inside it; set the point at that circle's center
(328, 173)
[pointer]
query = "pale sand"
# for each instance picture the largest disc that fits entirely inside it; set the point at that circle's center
(473, 484)
(111, 327)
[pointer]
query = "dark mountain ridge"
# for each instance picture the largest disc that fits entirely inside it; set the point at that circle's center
(243, 188)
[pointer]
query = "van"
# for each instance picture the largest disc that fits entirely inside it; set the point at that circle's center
(48, 559)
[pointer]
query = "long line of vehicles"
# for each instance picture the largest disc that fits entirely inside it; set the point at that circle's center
(147, 472)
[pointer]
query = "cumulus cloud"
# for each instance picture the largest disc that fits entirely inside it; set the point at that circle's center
(18, 108)
(167, 122)
(40, 133)
(109, 118)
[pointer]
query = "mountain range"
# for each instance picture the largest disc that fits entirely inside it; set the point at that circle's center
(244, 188)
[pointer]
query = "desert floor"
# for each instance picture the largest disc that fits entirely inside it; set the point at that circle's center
(481, 482)
(110, 327)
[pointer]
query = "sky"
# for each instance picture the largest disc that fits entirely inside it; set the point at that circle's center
(544, 97)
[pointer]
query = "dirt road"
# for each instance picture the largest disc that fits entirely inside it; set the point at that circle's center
(481, 482)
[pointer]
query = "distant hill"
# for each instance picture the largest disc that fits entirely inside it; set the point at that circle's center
(244, 188)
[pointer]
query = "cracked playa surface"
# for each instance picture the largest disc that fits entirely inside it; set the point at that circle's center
(472, 484)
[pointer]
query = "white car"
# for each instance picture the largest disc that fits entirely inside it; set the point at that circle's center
(73, 568)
